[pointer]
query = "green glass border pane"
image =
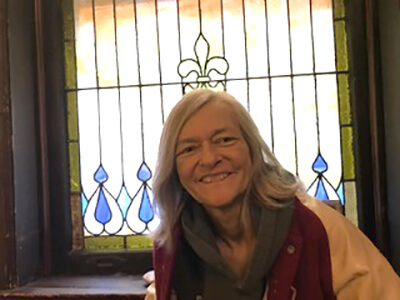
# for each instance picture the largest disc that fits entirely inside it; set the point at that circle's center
(69, 44)
(341, 46)
(104, 243)
(70, 65)
(74, 172)
(139, 242)
(69, 26)
(340, 9)
(72, 116)
(344, 97)
(348, 153)
(77, 224)
(350, 205)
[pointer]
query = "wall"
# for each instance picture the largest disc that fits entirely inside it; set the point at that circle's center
(24, 131)
(389, 21)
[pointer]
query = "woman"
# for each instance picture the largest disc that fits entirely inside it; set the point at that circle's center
(236, 225)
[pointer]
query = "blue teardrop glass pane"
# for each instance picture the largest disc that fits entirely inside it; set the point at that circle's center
(144, 172)
(84, 203)
(124, 201)
(321, 193)
(340, 192)
(101, 175)
(102, 212)
(320, 165)
(146, 210)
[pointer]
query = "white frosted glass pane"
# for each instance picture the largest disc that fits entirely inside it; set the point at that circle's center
(256, 38)
(211, 25)
(91, 224)
(132, 138)
(84, 44)
(126, 41)
(111, 139)
(132, 216)
(234, 39)
(105, 44)
(323, 36)
(147, 37)
(171, 95)
(88, 139)
(329, 127)
(189, 30)
(260, 107)
(278, 34)
(169, 40)
(152, 124)
(300, 28)
(283, 131)
(238, 89)
(306, 127)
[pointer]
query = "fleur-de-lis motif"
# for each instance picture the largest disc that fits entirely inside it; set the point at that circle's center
(203, 67)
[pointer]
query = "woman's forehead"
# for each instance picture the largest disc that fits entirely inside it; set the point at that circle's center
(212, 117)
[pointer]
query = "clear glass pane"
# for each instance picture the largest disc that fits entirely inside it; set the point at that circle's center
(283, 124)
(306, 129)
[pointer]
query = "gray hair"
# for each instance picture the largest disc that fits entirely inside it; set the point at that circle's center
(270, 185)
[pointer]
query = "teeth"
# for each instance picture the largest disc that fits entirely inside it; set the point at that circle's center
(214, 178)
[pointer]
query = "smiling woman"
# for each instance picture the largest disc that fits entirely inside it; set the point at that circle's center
(234, 220)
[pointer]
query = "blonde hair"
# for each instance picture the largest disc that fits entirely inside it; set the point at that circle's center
(270, 183)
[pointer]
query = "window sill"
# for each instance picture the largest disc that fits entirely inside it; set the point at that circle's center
(81, 287)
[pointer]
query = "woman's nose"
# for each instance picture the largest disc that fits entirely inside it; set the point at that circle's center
(209, 156)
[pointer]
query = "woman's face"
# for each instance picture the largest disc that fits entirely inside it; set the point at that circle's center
(212, 157)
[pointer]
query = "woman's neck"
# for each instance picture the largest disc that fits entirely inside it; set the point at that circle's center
(230, 224)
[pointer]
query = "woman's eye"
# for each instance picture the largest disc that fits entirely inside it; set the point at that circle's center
(225, 140)
(186, 150)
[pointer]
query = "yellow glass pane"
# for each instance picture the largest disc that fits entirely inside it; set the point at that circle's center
(348, 153)
(105, 43)
(300, 28)
(75, 185)
(104, 243)
(351, 202)
(70, 65)
(139, 242)
(341, 46)
(340, 10)
(344, 94)
(72, 116)
(257, 58)
(324, 43)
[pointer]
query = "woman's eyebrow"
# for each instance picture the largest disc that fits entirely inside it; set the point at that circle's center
(193, 140)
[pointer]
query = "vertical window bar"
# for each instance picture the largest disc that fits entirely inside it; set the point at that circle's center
(291, 84)
(246, 54)
(159, 60)
(315, 75)
(200, 16)
(179, 39)
(139, 77)
(119, 107)
(269, 75)
(223, 36)
(97, 74)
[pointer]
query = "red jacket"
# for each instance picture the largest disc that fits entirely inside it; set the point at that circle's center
(324, 257)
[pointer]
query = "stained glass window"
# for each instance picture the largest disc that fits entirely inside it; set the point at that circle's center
(127, 62)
